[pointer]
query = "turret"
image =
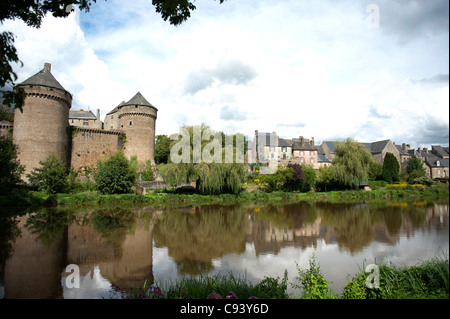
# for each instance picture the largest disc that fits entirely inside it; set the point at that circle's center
(42, 126)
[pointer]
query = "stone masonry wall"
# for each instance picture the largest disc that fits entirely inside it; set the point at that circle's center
(91, 145)
(42, 126)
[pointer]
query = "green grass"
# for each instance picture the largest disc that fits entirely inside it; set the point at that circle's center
(428, 280)
(173, 198)
(210, 287)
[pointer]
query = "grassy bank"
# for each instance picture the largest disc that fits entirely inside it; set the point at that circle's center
(428, 280)
(170, 197)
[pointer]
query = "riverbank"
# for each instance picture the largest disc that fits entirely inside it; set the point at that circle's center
(427, 280)
(173, 198)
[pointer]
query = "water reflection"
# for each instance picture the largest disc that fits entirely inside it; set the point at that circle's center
(115, 245)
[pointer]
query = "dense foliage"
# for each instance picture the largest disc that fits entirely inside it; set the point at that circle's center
(351, 164)
(51, 176)
(391, 169)
(10, 168)
(115, 175)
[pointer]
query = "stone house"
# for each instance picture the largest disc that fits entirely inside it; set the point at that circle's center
(86, 119)
(377, 149)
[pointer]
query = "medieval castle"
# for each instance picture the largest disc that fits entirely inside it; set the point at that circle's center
(79, 138)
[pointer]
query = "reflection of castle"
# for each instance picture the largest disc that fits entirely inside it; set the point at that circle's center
(35, 269)
(43, 127)
(198, 236)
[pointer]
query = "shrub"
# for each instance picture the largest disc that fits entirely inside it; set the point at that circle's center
(10, 168)
(114, 175)
(51, 176)
(312, 282)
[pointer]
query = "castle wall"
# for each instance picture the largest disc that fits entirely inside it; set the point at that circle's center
(42, 126)
(91, 145)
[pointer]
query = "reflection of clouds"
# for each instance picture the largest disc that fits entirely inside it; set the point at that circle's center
(92, 286)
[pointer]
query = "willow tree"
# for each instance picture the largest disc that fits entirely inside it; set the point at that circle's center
(352, 162)
(212, 159)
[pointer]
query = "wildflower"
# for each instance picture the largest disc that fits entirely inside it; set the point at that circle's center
(214, 295)
(231, 295)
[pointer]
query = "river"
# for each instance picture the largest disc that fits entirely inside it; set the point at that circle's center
(127, 246)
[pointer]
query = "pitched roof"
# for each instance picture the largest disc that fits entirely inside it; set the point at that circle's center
(114, 110)
(138, 99)
(433, 161)
(43, 78)
(306, 146)
(439, 151)
(82, 115)
(283, 143)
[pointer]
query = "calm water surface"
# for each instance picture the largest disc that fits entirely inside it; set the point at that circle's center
(127, 246)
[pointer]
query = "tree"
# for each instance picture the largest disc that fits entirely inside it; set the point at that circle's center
(221, 175)
(416, 173)
(10, 168)
(391, 168)
(51, 176)
(351, 164)
(33, 11)
(114, 175)
(162, 148)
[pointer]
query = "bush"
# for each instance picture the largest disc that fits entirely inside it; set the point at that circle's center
(51, 177)
(114, 175)
(10, 168)
(312, 282)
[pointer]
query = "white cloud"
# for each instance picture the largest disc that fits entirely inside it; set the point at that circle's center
(299, 68)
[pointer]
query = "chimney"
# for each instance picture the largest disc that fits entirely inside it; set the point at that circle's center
(98, 114)
(404, 147)
(408, 145)
(48, 66)
(425, 149)
(312, 141)
(302, 140)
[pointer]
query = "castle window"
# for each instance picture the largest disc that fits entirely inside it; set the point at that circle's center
(131, 123)
(136, 106)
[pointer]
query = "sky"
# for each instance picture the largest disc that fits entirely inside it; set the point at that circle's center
(368, 70)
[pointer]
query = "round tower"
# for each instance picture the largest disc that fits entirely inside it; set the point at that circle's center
(42, 126)
(137, 119)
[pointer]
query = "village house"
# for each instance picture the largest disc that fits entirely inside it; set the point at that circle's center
(378, 150)
(86, 119)
(269, 150)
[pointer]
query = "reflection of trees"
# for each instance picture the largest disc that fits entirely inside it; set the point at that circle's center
(113, 224)
(195, 238)
(49, 224)
(9, 232)
(353, 225)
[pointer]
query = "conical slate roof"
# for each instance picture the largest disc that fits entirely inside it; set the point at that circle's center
(138, 99)
(44, 78)
(114, 110)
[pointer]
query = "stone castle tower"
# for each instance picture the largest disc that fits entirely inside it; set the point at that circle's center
(42, 126)
(137, 119)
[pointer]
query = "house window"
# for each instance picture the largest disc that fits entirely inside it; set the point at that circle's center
(273, 156)
(439, 172)
(85, 123)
